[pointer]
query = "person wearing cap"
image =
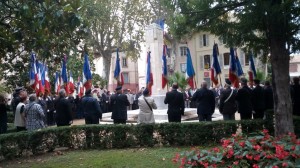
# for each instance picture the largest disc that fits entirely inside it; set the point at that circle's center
(175, 102)
(146, 104)
(63, 109)
(243, 98)
(228, 105)
(119, 103)
(206, 102)
(258, 100)
(91, 108)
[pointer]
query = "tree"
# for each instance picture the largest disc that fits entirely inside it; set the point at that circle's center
(269, 26)
(178, 78)
(48, 28)
(115, 23)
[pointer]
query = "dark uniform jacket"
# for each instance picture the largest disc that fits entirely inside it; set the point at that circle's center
(230, 106)
(206, 101)
(175, 102)
(63, 112)
(258, 98)
(269, 103)
(296, 99)
(91, 107)
(119, 103)
(244, 97)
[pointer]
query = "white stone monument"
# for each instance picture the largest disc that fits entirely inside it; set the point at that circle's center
(154, 42)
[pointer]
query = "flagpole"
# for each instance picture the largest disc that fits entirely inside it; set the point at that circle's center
(220, 80)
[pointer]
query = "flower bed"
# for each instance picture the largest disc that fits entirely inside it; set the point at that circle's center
(257, 151)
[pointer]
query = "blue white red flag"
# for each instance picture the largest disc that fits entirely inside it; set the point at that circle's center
(190, 69)
(87, 74)
(71, 83)
(252, 70)
(238, 65)
(33, 72)
(233, 70)
(215, 69)
(164, 78)
(47, 80)
(39, 90)
(117, 73)
(149, 76)
(64, 74)
(57, 82)
(80, 88)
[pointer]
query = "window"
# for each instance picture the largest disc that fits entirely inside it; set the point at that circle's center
(183, 67)
(207, 61)
(183, 51)
(204, 40)
(124, 62)
(125, 77)
(247, 57)
(226, 59)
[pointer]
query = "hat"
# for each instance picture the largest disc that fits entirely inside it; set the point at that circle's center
(256, 81)
(119, 88)
(227, 81)
(89, 91)
(244, 81)
(18, 89)
(146, 91)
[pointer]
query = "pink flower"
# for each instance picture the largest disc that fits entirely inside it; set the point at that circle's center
(284, 164)
(257, 157)
(236, 162)
(242, 144)
(249, 157)
(275, 167)
(255, 166)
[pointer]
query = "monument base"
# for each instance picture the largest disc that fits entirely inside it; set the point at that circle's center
(159, 101)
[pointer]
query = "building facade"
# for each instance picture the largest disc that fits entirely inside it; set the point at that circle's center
(129, 69)
(201, 48)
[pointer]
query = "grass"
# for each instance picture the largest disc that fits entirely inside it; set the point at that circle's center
(122, 158)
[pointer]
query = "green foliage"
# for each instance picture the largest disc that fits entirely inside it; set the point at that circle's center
(261, 150)
(179, 78)
(48, 28)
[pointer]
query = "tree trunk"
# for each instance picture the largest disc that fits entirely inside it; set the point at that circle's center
(277, 28)
(106, 66)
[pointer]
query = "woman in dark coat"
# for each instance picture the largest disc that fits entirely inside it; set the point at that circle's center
(3, 115)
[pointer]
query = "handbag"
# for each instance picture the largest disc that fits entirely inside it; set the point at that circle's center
(148, 104)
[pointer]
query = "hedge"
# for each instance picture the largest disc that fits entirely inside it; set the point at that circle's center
(125, 136)
(117, 136)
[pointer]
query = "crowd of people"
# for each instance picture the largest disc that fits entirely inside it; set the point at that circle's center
(35, 112)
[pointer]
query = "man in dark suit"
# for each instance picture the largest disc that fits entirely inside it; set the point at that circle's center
(243, 99)
(119, 103)
(206, 102)
(91, 108)
(269, 103)
(63, 109)
(228, 105)
(175, 102)
(258, 100)
(296, 96)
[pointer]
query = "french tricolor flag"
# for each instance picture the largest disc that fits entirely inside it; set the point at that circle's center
(215, 69)
(149, 76)
(33, 72)
(57, 82)
(164, 67)
(71, 83)
(252, 70)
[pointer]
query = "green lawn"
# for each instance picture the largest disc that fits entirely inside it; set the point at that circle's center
(123, 158)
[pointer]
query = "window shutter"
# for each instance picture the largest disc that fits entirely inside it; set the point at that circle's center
(201, 41)
(201, 62)
(242, 58)
(221, 60)
(207, 40)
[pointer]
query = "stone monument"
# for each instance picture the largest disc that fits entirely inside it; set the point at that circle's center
(154, 42)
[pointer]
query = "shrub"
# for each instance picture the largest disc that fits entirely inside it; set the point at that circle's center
(261, 150)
